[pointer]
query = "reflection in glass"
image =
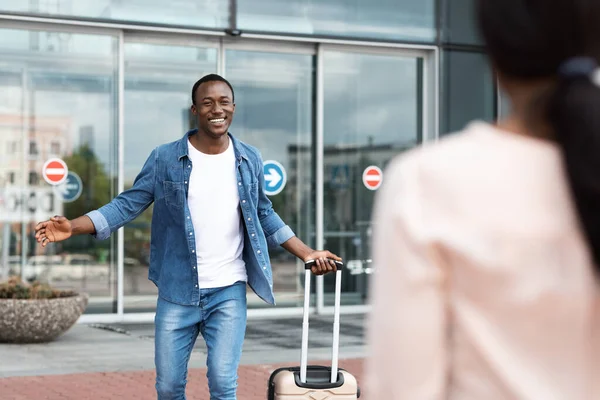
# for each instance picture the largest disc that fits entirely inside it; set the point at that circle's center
(372, 109)
(200, 13)
(274, 112)
(158, 86)
(57, 99)
(460, 23)
(469, 90)
(504, 105)
(381, 19)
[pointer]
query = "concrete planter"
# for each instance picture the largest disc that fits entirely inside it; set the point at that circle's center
(38, 321)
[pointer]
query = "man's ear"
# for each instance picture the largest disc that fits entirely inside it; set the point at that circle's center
(194, 110)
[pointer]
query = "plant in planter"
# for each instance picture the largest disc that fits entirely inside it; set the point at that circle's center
(36, 313)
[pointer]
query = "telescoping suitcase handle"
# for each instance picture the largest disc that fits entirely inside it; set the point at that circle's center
(336, 320)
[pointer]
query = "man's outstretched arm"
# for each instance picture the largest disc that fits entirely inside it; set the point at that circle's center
(101, 223)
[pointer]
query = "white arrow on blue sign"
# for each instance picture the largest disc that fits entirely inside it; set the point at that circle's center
(275, 177)
(71, 188)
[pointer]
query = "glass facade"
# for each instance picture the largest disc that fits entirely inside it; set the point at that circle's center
(380, 19)
(459, 26)
(372, 109)
(158, 82)
(60, 101)
(200, 13)
(469, 90)
(274, 112)
(101, 98)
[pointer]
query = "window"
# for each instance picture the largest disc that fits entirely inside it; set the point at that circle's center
(11, 177)
(33, 178)
(72, 90)
(380, 19)
(55, 148)
(11, 148)
(460, 24)
(202, 13)
(33, 149)
(469, 91)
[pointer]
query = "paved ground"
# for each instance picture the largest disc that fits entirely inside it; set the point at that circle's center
(136, 385)
(116, 361)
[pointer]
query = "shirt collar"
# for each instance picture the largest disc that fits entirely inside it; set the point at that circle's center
(183, 146)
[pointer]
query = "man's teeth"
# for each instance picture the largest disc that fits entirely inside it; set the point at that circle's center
(217, 121)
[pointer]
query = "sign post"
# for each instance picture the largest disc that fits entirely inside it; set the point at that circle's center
(372, 177)
(55, 171)
(71, 188)
(275, 177)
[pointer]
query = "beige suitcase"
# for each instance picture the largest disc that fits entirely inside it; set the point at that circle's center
(312, 382)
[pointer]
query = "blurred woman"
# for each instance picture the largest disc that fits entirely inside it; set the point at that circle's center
(487, 244)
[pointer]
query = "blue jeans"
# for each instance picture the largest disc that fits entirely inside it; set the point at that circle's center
(221, 319)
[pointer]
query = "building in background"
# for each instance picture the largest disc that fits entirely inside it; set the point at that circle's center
(325, 88)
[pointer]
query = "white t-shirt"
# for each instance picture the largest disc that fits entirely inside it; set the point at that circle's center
(214, 204)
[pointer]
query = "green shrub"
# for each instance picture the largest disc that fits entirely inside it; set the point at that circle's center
(15, 288)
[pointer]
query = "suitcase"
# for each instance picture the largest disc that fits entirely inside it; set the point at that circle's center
(315, 382)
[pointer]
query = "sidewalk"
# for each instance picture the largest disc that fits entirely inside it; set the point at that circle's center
(117, 361)
(136, 385)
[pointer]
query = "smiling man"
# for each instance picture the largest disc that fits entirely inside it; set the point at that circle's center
(212, 225)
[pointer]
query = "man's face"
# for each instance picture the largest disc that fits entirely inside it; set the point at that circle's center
(214, 108)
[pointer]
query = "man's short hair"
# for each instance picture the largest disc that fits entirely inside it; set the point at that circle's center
(211, 78)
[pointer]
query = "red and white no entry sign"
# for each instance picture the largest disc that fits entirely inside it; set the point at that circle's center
(55, 171)
(372, 177)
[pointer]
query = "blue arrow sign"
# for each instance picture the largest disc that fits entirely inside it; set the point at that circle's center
(275, 177)
(71, 189)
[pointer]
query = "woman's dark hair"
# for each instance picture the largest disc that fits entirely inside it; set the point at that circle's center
(539, 39)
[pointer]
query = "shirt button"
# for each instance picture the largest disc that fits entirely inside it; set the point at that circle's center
(190, 233)
(196, 285)
(258, 252)
(243, 201)
(193, 251)
(194, 267)
(189, 166)
(188, 217)
(253, 235)
(264, 267)
(185, 182)
(249, 219)
(239, 183)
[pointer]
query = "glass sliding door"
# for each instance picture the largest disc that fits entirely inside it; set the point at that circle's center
(275, 112)
(58, 99)
(372, 112)
(159, 77)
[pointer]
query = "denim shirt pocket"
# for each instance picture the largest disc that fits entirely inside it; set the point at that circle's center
(174, 194)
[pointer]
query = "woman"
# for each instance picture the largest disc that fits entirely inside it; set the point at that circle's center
(487, 244)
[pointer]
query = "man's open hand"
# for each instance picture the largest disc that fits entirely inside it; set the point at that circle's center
(56, 229)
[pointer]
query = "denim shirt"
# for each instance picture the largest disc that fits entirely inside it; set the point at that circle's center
(173, 263)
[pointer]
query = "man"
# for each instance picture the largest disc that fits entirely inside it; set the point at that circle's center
(211, 226)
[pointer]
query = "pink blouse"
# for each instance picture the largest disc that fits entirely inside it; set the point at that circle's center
(483, 286)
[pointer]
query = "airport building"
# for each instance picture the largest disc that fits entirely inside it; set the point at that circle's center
(329, 91)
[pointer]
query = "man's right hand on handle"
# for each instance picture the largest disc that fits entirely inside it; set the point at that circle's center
(56, 229)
